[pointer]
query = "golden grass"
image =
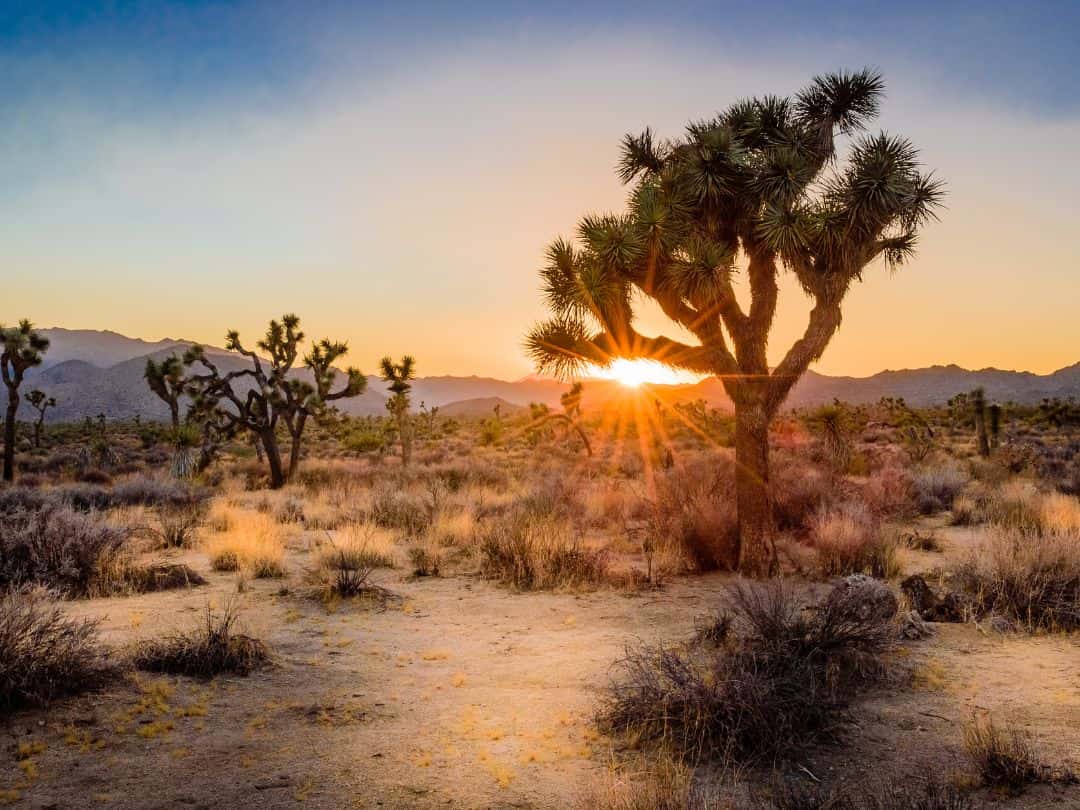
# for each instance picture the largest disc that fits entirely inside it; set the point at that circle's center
(255, 543)
(358, 545)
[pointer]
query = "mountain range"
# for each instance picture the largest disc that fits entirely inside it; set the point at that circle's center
(91, 372)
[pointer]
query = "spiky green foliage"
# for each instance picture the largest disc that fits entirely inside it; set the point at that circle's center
(272, 394)
(21, 347)
(760, 189)
(399, 377)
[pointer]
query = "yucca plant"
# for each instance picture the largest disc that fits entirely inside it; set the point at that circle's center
(759, 189)
(22, 347)
(185, 438)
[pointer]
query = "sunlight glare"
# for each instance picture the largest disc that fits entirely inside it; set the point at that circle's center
(633, 373)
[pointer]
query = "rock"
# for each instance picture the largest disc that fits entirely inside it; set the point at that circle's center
(863, 598)
(922, 599)
(1000, 624)
(912, 626)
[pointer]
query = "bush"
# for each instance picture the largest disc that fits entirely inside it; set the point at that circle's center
(347, 562)
(800, 491)
(43, 653)
(1005, 759)
(210, 649)
(529, 552)
(936, 487)
(255, 543)
(694, 508)
(392, 508)
(59, 548)
(1031, 579)
(902, 794)
(778, 684)
(849, 540)
(177, 524)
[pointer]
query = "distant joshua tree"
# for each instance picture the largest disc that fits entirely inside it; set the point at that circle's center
(758, 189)
(166, 379)
(21, 347)
(275, 397)
(571, 415)
(40, 402)
(400, 376)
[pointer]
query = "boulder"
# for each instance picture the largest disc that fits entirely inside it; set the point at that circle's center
(863, 598)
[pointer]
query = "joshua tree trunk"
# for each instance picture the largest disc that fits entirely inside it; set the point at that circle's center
(37, 430)
(406, 439)
(753, 492)
(9, 436)
(294, 451)
(273, 458)
(980, 428)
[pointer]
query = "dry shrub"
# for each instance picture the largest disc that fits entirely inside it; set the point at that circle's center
(346, 561)
(779, 682)
(849, 540)
(394, 508)
(536, 552)
(59, 548)
(800, 491)
(256, 544)
(888, 490)
(211, 648)
(1060, 513)
(661, 785)
(1031, 579)
(43, 653)
(426, 560)
(966, 510)
(1014, 506)
(177, 524)
(900, 794)
(694, 509)
(1006, 758)
(453, 529)
(934, 488)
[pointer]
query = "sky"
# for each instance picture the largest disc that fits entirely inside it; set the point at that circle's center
(392, 172)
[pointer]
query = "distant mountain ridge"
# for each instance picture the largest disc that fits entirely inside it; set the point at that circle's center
(91, 372)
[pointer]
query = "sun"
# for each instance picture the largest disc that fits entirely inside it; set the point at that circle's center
(634, 373)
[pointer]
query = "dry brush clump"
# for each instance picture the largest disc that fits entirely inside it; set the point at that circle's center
(693, 509)
(1007, 758)
(254, 544)
(211, 648)
(873, 794)
(935, 487)
(778, 683)
(531, 550)
(43, 653)
(345, 562)
(849, 540)
(1029, 578)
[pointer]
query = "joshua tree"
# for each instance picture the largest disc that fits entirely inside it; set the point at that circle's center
(758, 189)
(995, 425)
(977, 399)
(273, 395)
(40, 402)
(21, 347)
(399, 377)
(571, 415)
(166, 379)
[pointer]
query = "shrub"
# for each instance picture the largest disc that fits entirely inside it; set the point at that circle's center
(177, 524)
(779, 682)
(59, 548)
(392, 508)
(43, 653)
(901, 794)
(694, 508)
(348, 561)
(256, 543)
(936, 487)
(800, 491)
(1031, 579)
(529, 552)
(1005, 759)
(210, 649)
(849, 540)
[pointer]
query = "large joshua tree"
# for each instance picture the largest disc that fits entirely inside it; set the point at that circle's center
(21, 347)
(274, 395)
(399, 377)
(759, 189)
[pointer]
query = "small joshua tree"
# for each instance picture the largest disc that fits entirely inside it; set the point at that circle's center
(21, 348)
(399, 377)
(274, 396)
(977, 398)
(40, 402)
(758, 190)
(166, 379)
(570, 417)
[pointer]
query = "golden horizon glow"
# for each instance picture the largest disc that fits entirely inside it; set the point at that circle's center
(635, 373)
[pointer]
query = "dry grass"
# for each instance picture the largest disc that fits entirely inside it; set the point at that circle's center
(849, 540)
(211, 648)
(255, 544)
(539, 552)
(346, 560)
(1030, 578)
(1005, 758)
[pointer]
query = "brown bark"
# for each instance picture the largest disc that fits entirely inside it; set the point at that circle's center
(273, 458)
(9, 435)
(753, 492)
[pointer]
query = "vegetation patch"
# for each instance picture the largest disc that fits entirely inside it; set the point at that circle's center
(210, 649)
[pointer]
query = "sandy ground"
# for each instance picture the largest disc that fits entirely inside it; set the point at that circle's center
(466, 695)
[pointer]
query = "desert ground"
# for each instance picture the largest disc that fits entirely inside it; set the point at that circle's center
(469, 662)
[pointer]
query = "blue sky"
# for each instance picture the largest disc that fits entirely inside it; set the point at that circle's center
(392, 171)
